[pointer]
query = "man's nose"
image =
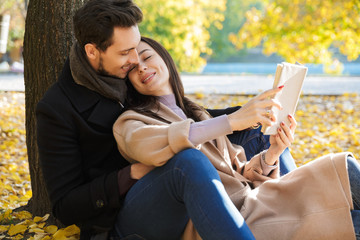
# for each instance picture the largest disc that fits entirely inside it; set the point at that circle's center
(134, 57)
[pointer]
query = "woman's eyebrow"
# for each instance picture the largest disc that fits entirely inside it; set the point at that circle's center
(144, 50)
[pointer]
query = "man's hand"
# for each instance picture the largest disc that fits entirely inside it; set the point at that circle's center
(138, 170)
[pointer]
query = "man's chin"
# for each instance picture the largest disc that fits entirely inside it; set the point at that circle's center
(106, 74)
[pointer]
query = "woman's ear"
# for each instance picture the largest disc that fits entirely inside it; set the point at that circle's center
(91, 51)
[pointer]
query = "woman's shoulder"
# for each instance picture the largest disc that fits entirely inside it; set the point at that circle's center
(129, 114)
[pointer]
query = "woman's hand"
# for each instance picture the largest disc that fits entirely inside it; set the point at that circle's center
(256, 111)
(280, 141)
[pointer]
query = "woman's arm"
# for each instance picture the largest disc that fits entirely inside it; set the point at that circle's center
(261, 163)
(152, 144)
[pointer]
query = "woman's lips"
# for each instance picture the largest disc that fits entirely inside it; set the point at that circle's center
(148, 77)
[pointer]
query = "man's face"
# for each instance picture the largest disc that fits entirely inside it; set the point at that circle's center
(122, 55)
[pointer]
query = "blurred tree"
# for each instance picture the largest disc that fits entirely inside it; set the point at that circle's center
(182, 27)
(10, 6)
(304, 30)
(48, 38)
(17, 11)
(222, 48)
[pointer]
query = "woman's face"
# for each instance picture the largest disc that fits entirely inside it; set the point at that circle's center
(151, 75)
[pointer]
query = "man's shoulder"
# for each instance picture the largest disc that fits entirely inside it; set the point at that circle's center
(54, 94)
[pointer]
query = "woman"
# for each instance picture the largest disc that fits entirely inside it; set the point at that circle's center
(304, 204)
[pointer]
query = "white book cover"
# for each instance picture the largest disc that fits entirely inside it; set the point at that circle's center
(292, 76)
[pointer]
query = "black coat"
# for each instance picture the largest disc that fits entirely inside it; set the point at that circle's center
(85, 175)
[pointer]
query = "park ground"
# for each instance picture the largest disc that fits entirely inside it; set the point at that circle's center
(326, 124)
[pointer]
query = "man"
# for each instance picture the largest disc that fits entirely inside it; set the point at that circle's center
(86, 177)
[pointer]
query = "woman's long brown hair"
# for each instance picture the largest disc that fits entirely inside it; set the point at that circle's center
(143, 103)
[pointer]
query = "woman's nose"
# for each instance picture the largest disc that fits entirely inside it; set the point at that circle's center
(142, 67)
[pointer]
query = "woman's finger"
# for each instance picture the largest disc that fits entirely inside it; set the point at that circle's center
(263, 120)
(279, 141)
(267, 104)
(283, 137)
(293, 123)
(269, 93)
(287, 131)
(268, 113)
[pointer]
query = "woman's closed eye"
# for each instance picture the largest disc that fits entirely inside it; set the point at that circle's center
(146, 58)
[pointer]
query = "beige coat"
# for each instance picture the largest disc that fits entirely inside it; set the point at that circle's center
(312, 202)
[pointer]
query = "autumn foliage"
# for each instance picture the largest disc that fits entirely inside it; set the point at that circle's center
(307, 31)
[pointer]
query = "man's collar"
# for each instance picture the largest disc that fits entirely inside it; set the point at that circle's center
(81, 97)
(104, 112)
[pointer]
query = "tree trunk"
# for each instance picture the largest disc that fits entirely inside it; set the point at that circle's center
(47, 41)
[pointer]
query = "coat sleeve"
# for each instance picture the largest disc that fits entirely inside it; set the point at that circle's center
(253, 171)
(150, 144)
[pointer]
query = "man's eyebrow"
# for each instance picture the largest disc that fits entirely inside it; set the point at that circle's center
(127, 50)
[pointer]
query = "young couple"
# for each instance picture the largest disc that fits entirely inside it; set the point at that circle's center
(92, 185)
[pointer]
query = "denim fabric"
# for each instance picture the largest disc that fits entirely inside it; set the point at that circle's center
(354, 177)
(160, 204)
(254, 141)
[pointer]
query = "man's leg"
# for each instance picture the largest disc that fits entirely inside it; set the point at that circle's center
(160, 204)
(354, 177)
(254, 141)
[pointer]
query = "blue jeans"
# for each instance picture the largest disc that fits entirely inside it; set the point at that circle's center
(253, 141)
(188, 186)
(354, 176)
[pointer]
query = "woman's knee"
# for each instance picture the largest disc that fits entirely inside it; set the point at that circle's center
(194, 162)
(353, 168)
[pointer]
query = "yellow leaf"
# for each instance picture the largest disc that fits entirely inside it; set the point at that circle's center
(51, 229)
(18, 237)
(37, 219)
(72, 230)
(41, 225)
(3, 228)
(36, 230)
(41, 236)
(199, 95)
(60, 235)
(41, 219)
(15, 229)
(6, 215)
(23, 215)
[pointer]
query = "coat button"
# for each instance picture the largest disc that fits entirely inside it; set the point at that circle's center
(99, 203)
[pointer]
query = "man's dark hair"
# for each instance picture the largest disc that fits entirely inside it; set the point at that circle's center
(95, 21)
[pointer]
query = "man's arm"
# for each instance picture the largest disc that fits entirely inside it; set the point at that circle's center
(219, 112)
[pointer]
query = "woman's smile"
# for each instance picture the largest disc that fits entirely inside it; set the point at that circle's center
(148, 77)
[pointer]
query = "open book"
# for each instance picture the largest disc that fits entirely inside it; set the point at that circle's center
(292, 77)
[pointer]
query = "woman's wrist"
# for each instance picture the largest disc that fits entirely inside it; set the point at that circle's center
(270, 158)
(235, 123)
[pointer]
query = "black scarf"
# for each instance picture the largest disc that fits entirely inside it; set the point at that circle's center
(84, 74)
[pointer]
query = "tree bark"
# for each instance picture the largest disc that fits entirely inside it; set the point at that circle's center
(47, 41)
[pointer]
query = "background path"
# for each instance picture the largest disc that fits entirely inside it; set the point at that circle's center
(232, 84)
